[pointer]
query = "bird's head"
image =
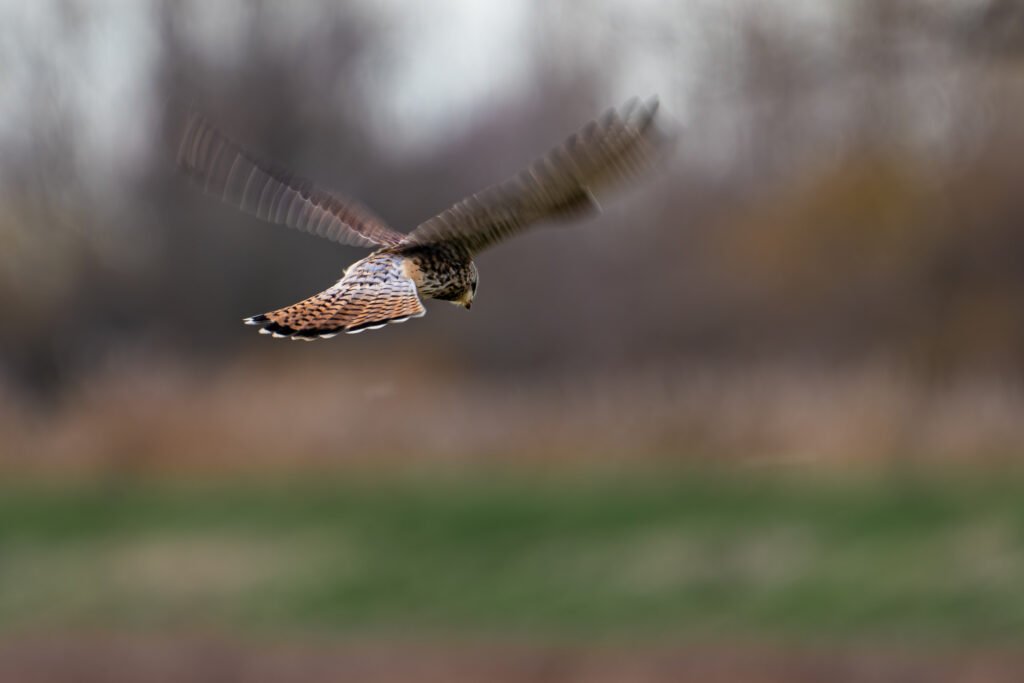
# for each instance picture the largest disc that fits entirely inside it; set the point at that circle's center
(466, 298)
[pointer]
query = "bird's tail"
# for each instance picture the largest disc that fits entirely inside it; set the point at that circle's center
(286, 322)
(370, 295)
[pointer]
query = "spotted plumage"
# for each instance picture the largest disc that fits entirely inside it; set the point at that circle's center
(435, 260)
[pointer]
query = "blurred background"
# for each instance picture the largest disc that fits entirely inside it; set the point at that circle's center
(760, 420)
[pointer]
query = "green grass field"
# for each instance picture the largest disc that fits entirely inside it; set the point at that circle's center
(607, 556)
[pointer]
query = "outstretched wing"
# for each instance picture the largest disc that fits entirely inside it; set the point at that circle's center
(562, 184)
(372, 293)
(239, 178)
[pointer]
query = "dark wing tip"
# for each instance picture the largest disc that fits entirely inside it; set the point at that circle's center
(660, 128)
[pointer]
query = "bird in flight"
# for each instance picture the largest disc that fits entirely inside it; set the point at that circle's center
(435, 260)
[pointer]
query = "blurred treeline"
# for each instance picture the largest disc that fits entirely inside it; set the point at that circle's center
(847, 188)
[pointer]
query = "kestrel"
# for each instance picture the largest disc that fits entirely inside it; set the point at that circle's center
(435, 260)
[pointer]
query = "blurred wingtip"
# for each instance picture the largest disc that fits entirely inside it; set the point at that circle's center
(658, 129)
(662, 129)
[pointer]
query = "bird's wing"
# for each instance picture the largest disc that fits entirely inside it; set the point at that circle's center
(561, 184)
(372, 293)
(239, 178)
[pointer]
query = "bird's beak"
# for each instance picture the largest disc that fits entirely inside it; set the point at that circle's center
(468, 305)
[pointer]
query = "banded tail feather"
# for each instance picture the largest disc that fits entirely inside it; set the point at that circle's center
(372, 293)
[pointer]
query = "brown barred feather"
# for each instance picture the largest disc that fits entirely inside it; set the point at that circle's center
(562, 184)
(373, 292)
(234, 174)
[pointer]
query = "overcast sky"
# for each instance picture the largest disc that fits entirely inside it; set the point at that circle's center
(447, 56)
